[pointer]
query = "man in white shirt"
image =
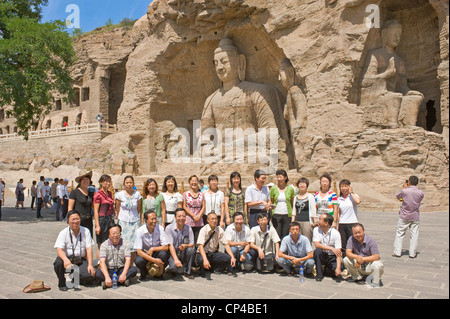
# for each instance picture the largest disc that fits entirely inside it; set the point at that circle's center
(152, 247)
(257, 198)
(40, 195)
(239, 237)
(59, 199)
(54, 196)
(327, 241)
(65, 198)
(266, 242)
(74, 246)
(209, 257)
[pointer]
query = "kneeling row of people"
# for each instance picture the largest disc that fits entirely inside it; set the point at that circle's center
(245, 249)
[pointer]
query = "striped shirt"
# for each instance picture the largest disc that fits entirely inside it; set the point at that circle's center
(325, 204)
(114, 255)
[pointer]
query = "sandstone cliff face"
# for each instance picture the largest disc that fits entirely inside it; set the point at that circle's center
(156, 77)
(170, 74)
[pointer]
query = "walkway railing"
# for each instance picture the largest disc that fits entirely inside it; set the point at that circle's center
(61, 131)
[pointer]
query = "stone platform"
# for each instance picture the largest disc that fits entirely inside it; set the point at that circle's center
(27, 253)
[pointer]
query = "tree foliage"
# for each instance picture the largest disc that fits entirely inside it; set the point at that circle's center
(34, 61)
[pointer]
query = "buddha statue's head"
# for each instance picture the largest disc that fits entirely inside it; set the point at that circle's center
(391, 34)
(230, 64)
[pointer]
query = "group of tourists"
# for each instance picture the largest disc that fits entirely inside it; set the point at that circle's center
(276, 227)
(164, 232)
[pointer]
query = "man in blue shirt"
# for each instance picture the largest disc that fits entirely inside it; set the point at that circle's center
(181, 245)
(296, 251)
(152, 247)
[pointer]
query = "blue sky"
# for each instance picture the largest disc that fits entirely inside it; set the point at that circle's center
(95, 13)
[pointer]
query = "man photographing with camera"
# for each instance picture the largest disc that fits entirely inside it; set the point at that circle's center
(408, 216)
(74, 247)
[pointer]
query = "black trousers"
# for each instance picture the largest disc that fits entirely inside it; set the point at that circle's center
(141, 262)
(39, 203)
(281, 224)
(253, 217)
(322, 258)
(132, 272)
(346, 232)
(186, 258)
(218, 261)
(85, 276)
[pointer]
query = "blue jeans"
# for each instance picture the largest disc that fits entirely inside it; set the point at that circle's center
(132, 272)
(39, 203)
(249, 257)
(141, 262)
(288, 265)
(186, 257)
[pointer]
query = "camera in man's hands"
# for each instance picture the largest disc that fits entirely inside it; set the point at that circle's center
(76, 260)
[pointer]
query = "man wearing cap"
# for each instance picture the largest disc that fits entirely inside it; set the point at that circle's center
(74, 246)
(152, 246)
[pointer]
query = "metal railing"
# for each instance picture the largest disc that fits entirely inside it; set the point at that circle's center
(61, 131)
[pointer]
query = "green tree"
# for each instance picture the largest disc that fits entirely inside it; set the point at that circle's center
(34, 61)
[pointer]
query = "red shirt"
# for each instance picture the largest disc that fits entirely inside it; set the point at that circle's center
(106, 203)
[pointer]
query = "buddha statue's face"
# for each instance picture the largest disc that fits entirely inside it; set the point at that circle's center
(392, 36)
(226, 64)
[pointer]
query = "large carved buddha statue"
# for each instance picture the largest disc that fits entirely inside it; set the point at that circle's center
(243, 106)
(384, 82)
(238, 103)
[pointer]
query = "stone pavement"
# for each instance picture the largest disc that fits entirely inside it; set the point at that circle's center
(27, 253)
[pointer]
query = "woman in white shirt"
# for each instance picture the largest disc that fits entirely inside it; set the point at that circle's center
(305, 212)
(172, 198)
(129, 212)
(347, 217)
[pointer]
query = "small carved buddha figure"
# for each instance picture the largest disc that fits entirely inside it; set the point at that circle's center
(384, 81)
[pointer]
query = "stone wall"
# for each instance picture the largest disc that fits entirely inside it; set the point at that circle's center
(65, 156)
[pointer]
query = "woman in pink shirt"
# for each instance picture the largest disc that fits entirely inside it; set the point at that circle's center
(194, 205)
